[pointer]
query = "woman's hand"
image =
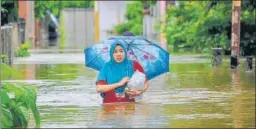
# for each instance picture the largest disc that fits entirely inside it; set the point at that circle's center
(123, 81)
(133, 92)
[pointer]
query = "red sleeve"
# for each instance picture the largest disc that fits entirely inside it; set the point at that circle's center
(101, 82)
(137, 66)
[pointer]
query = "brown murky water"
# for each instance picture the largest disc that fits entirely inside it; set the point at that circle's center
(192, 95)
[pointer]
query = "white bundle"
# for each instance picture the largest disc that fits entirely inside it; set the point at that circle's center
(137, 81)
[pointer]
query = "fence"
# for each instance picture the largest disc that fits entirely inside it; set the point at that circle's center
(10, 41)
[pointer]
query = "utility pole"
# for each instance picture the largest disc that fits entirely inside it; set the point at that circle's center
(96, 21)
(0, 59)
(162, 35)
(235, 41)
(0, 45)
(146, 20)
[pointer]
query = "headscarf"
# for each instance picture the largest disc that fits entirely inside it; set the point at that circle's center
(113, 72)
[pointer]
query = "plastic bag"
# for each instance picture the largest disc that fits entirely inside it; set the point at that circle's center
(137, 81)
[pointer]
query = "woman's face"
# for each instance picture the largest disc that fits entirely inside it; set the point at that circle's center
(119, 54)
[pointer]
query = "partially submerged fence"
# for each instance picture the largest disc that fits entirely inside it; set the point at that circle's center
(10, 41)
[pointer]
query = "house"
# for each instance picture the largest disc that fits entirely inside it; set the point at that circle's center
(26, 11)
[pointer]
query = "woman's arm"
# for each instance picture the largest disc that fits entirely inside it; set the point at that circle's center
(107, 87)
(145, 88)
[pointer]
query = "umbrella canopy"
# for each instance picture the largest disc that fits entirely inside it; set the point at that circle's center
(153, 58)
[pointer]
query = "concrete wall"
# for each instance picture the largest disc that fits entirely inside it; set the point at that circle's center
(150, 21)
(79, 27)
(111, 13)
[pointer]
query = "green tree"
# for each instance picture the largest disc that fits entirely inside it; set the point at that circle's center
(56, 6)
(134, 17)
(199, 26)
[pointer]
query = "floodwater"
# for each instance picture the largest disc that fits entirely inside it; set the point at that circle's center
(194, 94)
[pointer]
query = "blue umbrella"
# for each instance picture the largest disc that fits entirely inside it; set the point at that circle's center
(153, 58)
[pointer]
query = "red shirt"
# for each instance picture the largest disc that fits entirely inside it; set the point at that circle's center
(111, 96)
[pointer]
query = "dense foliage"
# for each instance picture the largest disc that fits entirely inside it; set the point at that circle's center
(7, 72)
(134, 17)
(15, 110)
(199, 26)
(17, 100)
(9, 11)
(56, 6)
(3, 9)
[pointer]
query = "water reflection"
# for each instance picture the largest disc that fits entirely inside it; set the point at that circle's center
(130, 115)
(191, 96)
(241, 109)
(118, 108)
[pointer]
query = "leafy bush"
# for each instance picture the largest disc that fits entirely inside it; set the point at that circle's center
(8, 72)
(3, 56)
(22, 51)
(199, 26)
(3, 9)
(134, 17)
(15, 110)
(16, 101)
(187, 26)
(57, 6)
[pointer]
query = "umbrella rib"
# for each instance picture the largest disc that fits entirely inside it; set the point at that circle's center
(145, 52)
(95, 57)
(140, 44)
(131, 49)
(134, 54)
